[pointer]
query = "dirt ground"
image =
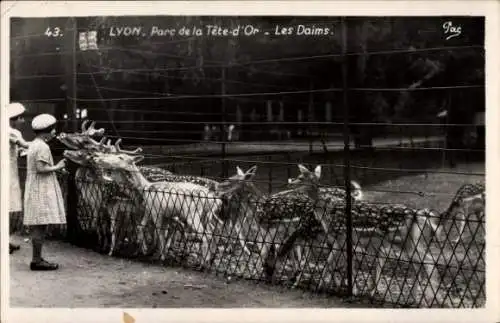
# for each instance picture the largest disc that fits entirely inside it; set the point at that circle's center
(89, 279)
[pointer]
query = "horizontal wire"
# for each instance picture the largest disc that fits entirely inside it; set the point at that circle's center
(297, 123)
(299, 58)
(202, 160)
(285, 184)
(324, 164)
(193, 96)
(219, 80)
(365, 189)
(278, 143)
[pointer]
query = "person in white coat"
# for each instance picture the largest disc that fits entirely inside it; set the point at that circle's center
(43, 199)
(16, 119)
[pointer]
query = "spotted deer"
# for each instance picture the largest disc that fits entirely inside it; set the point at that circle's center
(468, 200)
(165, 202)
(94, 195)
(377, 229)
(269, 215)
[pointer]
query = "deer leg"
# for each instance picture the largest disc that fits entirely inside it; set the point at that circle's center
(167, 238)
(140, 233)
(214, 241)
(420, 257)
(463, 212)
(242, 238)
(329, 263)
(112, 229)
(283, 250)
(162, 235)
(380, 258)
(266, 261)
(298, 257)
(195, 221)
(301, 262)
(431, 280)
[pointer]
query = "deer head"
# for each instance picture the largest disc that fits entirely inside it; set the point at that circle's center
(116, 166)
(235, 182)
(80, 156)
(306, 177)
(80, 140)
(309, 180)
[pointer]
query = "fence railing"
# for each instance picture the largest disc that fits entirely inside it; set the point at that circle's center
(241, 237)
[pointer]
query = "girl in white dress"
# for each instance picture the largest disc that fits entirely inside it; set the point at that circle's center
(16, 140)
(43, 199)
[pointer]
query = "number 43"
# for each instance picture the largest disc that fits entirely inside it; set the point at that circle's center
(55, 32)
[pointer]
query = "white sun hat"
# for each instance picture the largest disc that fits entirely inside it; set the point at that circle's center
(15, 109)
(43, 121)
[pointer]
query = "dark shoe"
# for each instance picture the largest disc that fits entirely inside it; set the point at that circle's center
(13, 247)
(43, 266)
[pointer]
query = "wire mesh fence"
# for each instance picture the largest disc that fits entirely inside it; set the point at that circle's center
(401, 256)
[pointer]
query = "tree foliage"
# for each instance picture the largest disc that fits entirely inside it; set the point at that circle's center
(383, 52)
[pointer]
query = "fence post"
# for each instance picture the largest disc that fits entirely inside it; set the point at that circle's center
(71, 69)
(347, 157)
(73, 229)
(269, 174)
(310, 117)
(223, 126)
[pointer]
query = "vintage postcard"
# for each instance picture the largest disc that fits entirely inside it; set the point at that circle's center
(249, 161)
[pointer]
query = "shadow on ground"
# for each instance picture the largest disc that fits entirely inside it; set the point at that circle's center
(89, 279)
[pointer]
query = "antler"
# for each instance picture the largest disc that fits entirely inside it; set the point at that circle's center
(84, 123)
(119, 150)
(91, 130)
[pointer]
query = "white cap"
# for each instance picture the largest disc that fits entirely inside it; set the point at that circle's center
(43, 121)
(15, 109)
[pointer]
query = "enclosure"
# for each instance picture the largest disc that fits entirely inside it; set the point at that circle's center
(364, 101)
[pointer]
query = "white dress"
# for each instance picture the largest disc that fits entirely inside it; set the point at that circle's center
(43, 199)
(15, 195)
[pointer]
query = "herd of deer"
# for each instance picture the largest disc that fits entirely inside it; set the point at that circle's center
(304, 212)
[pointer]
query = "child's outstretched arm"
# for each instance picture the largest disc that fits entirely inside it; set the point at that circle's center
(18, 140)
(43, 167)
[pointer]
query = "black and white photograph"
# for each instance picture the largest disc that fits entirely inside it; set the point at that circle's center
(245, 161)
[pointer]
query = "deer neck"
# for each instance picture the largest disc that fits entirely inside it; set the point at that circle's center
(311, 190)
(254, 191)
(138, 180)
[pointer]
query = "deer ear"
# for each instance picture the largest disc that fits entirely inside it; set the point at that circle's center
(317, 171)
(138, 158)
(303, 169)
(251, 172)
(84, 124)
(239, 171)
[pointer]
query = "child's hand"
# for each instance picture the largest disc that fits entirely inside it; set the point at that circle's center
(61, 164)
(13, 139)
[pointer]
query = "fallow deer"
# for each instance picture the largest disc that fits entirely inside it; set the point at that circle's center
(377, 229)
(268, 214)
(469, 199)
(164, 201)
